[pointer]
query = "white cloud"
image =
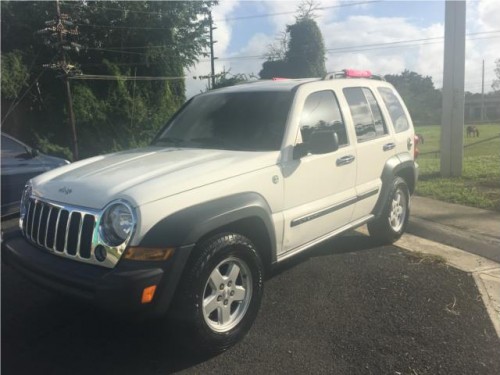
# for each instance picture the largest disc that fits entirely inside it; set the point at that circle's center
(223, 37)
(425, 57)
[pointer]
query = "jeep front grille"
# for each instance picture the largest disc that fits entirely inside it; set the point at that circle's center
(63, 230)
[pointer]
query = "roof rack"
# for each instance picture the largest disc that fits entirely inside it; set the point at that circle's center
(352, 73)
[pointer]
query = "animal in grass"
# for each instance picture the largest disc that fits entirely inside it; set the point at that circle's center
(420, 138)
(472, 131)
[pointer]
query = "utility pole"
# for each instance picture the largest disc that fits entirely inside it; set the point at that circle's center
(212, 42)
(69, 99)
(58, 29)
(482, 96)
(452, 122)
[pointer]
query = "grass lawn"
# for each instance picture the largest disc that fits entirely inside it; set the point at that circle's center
(479, 185)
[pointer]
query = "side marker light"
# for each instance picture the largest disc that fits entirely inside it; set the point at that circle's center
(148, 294)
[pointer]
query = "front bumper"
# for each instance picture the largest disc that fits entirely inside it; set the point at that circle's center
(118, 289)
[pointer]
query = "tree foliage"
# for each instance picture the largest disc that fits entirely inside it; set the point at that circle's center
(421, 97)
(226, 78)
(14, 74)
(305, 50)
(119, 38)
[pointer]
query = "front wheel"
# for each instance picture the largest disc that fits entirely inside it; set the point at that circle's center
(220, 293)
(392, 223)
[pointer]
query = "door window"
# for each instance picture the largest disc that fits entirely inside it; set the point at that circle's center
(322, 111)
(368, 120)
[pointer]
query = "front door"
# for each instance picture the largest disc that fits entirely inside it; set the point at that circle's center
(319, 189)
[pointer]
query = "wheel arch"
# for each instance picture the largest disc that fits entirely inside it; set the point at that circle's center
(401, 165)
(246, 213)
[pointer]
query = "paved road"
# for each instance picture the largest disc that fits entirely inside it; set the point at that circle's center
(345, 307)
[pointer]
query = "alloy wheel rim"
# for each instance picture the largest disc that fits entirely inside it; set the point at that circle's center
(227, 294)
(397, 214)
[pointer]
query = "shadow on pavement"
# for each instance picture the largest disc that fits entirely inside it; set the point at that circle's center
(342, 307)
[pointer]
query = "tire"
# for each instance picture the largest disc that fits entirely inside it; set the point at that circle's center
(220, 293)
(392, 223)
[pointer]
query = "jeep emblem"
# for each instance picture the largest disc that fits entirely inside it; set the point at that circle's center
(65, 190)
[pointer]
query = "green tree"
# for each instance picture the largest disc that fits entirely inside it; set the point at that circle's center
(306, 50)
(304, 55)
(226, 79)
(119, 39)
(421, 97)
(14, 74)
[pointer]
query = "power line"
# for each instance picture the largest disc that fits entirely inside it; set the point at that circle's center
(362, 48)
(294, 12)
(123, 78)
(409, 41)
(403, 41)
(122, 27)
(349, 4)
(340, 49)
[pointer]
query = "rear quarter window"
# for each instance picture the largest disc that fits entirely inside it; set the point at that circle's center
(395, 108)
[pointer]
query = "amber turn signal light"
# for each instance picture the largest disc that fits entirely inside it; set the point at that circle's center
(148, 294)
(148, 253)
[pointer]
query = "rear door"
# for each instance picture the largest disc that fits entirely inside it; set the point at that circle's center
(375, 145)
(400, 118)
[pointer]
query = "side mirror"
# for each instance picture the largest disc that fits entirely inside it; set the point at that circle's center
(299, 151)
(320, 142)
(323, 142)
(34, 152)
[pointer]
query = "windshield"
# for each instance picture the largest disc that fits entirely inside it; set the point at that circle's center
(250, 121)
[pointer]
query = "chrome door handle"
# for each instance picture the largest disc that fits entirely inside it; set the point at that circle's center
(389, 146)
(345, 160)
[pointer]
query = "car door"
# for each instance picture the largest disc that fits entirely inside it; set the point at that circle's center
(318, 189)
(400, 118)
(375, 145)
(18, 166)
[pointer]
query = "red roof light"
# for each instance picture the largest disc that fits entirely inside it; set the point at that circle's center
(352, 73)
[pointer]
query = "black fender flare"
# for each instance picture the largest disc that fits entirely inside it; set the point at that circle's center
(392, 168)
(187, 226)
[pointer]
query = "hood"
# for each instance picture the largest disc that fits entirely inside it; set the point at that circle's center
(163, 172)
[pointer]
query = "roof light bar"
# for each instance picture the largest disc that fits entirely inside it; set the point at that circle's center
(352, 73)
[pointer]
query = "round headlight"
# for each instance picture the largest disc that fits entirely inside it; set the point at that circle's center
(117, 224)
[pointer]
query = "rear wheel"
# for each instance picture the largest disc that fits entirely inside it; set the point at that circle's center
(220, 294)
(392, 223)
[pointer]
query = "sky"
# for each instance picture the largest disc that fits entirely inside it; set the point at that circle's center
(354, 34)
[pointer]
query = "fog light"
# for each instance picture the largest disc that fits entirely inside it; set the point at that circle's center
(100, 253)
(148, 294)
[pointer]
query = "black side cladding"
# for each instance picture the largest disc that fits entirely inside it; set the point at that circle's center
(187, 226)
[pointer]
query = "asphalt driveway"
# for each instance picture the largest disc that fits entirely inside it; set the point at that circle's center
(345, 307)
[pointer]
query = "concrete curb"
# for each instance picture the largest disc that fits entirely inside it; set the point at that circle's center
(486, 273)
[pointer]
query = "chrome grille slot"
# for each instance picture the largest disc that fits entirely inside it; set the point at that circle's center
(73, 233)
(51, 228)
(66, 231)
(61, 226)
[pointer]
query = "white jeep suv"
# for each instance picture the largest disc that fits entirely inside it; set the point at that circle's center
(240, 179)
